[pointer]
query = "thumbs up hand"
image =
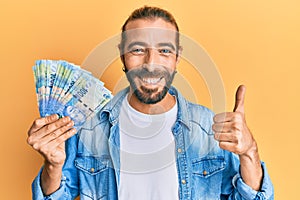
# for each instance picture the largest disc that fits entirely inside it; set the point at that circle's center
(231, 129)
(234, 135)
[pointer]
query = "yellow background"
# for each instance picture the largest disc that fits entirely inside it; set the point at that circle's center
(252, 42)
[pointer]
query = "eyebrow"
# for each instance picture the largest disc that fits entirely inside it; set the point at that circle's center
(168, 44)
(136, 43)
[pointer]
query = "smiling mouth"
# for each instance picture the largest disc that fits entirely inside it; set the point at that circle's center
(151, 81)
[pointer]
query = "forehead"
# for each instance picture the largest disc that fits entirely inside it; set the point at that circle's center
(150, 31)
(150, 23)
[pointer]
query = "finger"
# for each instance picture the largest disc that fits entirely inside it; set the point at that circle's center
(222, 127)
(223, 117)
(231, 146)
(227, 145)
(61, 139)
(52, 136)
(225, 137)
(45, 130)
(41, 122)
(239, 99)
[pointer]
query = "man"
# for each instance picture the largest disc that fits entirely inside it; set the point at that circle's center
(149, 142)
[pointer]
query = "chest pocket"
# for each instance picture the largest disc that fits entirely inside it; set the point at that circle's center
(93, 177)
(207, 177)
(208, 166)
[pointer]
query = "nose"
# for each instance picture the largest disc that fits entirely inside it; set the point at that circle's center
(150, 56)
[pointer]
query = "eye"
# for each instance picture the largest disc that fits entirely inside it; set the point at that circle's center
(165, 51)
(137, 51)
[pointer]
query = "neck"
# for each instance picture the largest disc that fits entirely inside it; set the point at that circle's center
(158, 108)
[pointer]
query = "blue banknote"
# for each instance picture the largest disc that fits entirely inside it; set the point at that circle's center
(68, 90)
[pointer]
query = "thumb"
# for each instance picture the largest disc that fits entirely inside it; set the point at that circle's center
(239, 99)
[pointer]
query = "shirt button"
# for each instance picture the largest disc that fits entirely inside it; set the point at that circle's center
(92, 169)
(183, 181)
(179, 150)
(204, 173)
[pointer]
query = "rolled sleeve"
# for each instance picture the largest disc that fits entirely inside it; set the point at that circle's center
(37, 193)
(266, 191)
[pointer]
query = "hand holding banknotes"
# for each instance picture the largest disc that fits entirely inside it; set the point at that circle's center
(67, 96)
(47, 136)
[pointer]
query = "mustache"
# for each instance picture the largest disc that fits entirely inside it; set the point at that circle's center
(149, 71)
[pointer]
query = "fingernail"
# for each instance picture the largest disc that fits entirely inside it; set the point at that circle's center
(54, 117)
(66, 119)
(73, 131)
(70, 123)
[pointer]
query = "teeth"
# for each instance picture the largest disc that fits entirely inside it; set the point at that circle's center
(151, 80)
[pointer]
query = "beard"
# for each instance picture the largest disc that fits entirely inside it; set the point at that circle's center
(150, 95)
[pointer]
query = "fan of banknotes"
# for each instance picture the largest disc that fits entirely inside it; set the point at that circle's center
(68, 90)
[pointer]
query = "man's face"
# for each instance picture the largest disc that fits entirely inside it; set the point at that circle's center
(150, 58)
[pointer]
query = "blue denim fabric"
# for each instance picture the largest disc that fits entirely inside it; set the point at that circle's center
(204, 170)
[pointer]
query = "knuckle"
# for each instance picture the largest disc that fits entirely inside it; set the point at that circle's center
(215, 118)
(35, 123)
(43, 149)
(65, 128)
(53, 134)
(214, 127)
(235, 117)
(50, 118)
(237, 126)
(35, 146)
(68, 134)
(29, 140)
(217, 136)
(62, 130)
(54, 126)
(48, 128)
(51, 127)
(73, 131)
(234, 138)
(38, 122)
(65, 135)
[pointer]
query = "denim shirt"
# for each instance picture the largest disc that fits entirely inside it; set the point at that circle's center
(92, 166)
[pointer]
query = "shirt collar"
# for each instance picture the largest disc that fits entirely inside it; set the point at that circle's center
(112, 108)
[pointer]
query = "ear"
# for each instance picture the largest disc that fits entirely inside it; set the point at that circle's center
(121, 54)
(179, 53)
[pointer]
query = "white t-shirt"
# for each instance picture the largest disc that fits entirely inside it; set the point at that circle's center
(147, 155)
